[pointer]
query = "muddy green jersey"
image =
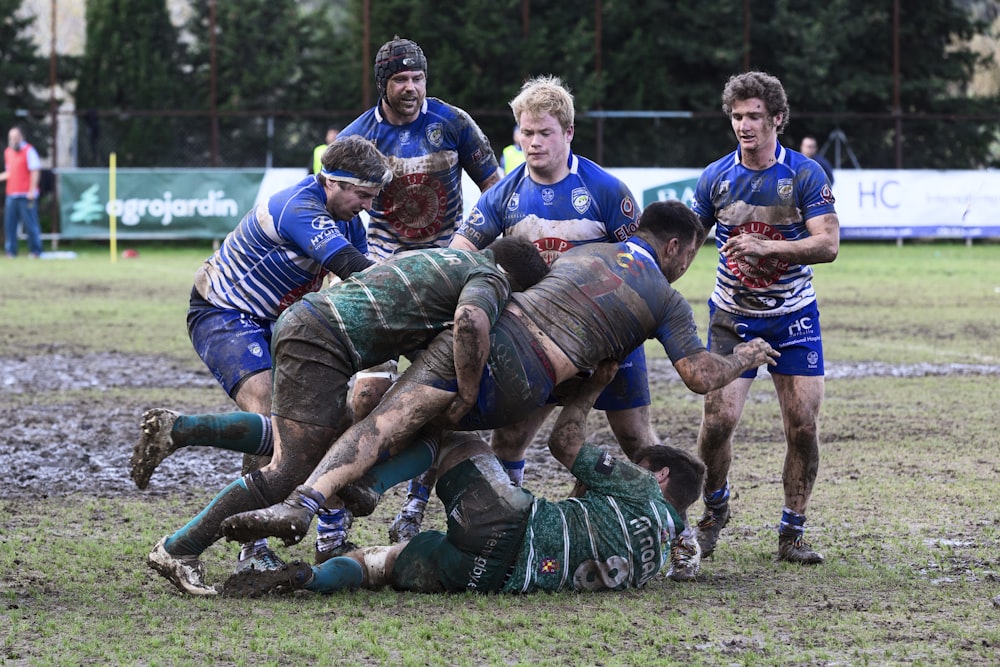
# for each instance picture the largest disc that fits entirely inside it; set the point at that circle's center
(400, 305)
(617, 536)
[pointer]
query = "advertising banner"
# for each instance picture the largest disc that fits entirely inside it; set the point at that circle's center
(155, 203)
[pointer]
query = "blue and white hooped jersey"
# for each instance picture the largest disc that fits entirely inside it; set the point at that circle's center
(422, 205)
(772, 203)
(277, 252)
(588, 206)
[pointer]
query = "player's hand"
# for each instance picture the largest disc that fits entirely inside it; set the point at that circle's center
(759, 350)
(459, 407)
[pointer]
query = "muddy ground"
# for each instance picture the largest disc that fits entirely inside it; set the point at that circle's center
(56, 448)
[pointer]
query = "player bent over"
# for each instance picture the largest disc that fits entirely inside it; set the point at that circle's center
(501, 538)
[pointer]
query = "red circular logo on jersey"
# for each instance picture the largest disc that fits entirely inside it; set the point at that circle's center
(415, 205)
(753, 271)
(550, 247)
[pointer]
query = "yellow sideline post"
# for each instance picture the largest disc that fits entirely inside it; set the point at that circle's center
(112, 216)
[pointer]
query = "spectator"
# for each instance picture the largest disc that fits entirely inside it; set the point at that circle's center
(810, 148)
(317, 158)
(513, 155)
(21, 171)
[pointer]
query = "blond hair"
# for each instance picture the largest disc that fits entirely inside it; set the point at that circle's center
(542, 95)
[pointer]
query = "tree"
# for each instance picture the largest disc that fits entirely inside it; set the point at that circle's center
(23, 71)
(130, 64)
(275, 57)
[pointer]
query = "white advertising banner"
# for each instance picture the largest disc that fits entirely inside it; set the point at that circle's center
(871, 203)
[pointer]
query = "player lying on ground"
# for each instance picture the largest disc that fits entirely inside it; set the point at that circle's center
(320, 341)
(501, 538)
(599, 301)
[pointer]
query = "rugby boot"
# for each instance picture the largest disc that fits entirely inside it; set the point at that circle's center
(154, 444)
(711, 524)
(685, 557)
(406, 526)
(288, 520)
(187, 573)
(255, 583)
(793, 549)
(262, 558)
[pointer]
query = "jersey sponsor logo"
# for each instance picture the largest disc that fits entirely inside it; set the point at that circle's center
(826, 194)
(479, 156)
(435, 134)
(404, 137)
(415, 205)
(648, 543)
(323, 222)
(724, 187)
(785, 189)
(605, 464)
(751, 301)
(756, 182)
(628, 208)
(321, 239)
(626, 232)
(550, 247)
(581, 199)
(548, 196)
(754, 271)
(549, 566)
(514, 202)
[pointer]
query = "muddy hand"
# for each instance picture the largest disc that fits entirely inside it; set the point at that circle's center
(759, 351)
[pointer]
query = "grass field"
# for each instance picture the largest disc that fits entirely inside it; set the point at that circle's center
(906, 508)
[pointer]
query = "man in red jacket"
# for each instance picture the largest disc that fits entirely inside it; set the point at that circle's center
(21, 170)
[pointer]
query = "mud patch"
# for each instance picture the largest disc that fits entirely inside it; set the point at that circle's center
(83, 445)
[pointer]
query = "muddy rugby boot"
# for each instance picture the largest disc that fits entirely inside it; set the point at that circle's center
(711, 524)
(262, 558)
(153, 445)
(406, 526)
(793, 549)
(187, 573)
(288, 520)
(255, 583)
(685, 557)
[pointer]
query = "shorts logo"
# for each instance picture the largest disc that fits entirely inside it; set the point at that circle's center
(548, 566)
(513, 202)
(435, 134)
(628, 208)
(800, 326)
(812, 358)
(785, 188)
(581, 199)
(548, 195)
(255, 349)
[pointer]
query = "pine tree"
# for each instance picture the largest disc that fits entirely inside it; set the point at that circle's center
(24, 73)
(131, 64)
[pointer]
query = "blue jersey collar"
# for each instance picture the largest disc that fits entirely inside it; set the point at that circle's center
(644, 248)
(779, 153)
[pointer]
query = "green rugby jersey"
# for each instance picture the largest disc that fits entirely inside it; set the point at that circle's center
(617, 536)
(400, 305)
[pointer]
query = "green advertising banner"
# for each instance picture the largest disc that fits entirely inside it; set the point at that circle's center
(153, 203)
